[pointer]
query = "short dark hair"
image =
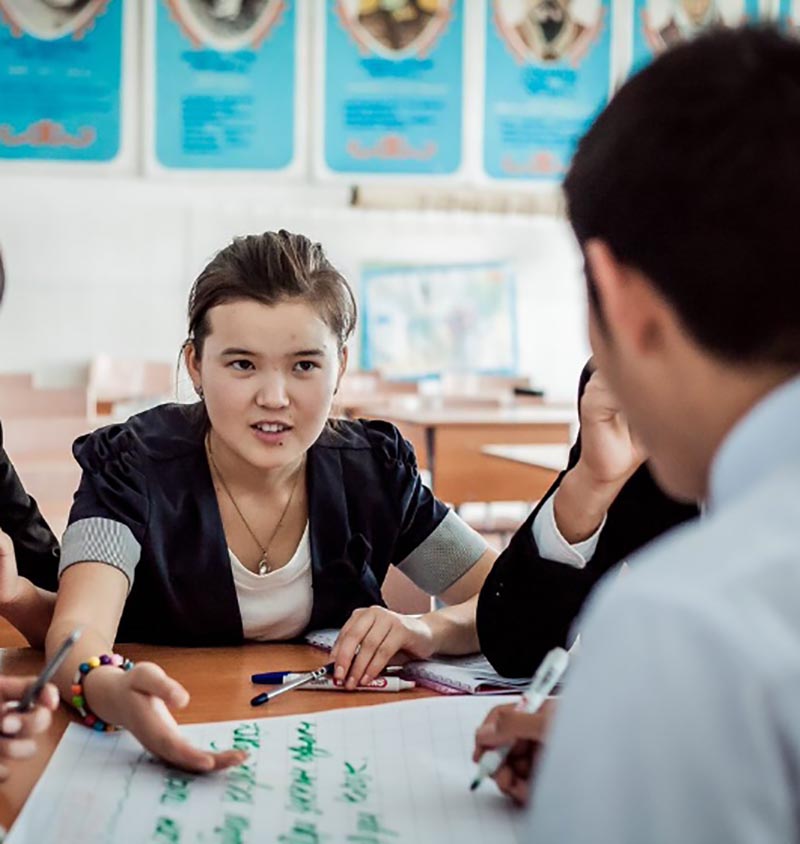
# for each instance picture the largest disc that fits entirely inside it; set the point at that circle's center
(691, 175)
(270, 268)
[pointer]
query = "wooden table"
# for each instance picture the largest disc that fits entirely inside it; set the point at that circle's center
(450, 443)
(536, 466)
(218, 680)
(552, 457)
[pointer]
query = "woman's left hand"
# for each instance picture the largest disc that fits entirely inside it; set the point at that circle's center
(371, 637)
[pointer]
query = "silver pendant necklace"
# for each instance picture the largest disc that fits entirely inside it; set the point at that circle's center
(263, 566)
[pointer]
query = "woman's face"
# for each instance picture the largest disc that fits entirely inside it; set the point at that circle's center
(268, 373)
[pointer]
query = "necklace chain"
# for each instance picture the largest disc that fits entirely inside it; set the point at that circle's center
(264, 566)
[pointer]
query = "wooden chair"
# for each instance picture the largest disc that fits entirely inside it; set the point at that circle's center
(43, 437)
(15, 381)
(116, 380)
(28, 402)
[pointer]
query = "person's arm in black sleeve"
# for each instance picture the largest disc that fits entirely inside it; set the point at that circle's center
(528, 603)
(34, 543)
(28, 558)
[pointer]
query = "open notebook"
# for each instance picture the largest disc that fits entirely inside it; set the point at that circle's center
(449, 675)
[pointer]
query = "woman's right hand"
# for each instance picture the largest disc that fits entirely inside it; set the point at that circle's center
(140, 701)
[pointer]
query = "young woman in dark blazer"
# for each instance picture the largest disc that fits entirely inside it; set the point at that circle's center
(249, 515)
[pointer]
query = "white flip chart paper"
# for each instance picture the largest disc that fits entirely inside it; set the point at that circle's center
(385, 774)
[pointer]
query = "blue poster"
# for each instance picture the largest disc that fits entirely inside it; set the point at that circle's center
(225, 84)
(548, 74)
(393, 86)
(789, 16)
(659, 24)
(60, 77)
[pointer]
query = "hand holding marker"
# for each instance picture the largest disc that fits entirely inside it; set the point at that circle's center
(545, 679)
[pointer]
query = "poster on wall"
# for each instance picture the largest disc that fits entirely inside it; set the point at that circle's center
(223, 85)
(547, 74)
(659, 24)
(420, 321)
(392, 87)
(789, 16)
(61, 77)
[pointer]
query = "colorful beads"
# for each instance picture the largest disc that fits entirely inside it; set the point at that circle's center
(78, 696)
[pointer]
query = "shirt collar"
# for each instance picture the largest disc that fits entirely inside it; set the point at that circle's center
(765, 438)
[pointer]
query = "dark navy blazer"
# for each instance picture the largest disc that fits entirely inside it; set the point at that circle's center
(367, 508)
(35, 547)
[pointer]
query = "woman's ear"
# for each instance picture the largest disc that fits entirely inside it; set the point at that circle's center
(343, 357)
(192, 362)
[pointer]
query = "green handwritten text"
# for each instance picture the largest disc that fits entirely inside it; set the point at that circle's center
(303, 791)
(176, 787)
(247, 737)
(302, 832)
(355, 787)
(232, 830)
(167, 831)
(307, 748)
(370, 830)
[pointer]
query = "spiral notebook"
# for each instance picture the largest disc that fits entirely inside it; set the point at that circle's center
(472, 674)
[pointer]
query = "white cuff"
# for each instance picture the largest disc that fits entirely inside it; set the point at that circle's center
(553, 546)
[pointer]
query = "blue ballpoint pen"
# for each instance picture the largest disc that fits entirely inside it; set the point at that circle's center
(271, 678)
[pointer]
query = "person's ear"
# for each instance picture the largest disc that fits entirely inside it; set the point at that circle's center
(343, 358)
(629, 309)
(193, 366)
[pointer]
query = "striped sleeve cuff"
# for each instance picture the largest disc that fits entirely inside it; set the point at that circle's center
(98, 540)
(446, 555)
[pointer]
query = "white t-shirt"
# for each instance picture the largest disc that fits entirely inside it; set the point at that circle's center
(276, 605)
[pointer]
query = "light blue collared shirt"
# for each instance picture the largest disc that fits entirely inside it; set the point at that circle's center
(681, 719)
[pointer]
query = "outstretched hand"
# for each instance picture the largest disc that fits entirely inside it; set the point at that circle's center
(142, 699)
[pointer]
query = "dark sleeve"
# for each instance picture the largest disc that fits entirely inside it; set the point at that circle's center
(35, 547)
(528, 603)
(434, 547)
(108, 519)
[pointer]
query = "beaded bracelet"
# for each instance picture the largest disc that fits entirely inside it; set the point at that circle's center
(78, 696)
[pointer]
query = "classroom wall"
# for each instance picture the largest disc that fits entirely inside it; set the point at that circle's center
(105, 264)
(102, 263)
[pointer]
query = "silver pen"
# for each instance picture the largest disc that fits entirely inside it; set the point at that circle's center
(318, 674)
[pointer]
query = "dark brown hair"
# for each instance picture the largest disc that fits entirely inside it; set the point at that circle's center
(690, 175)
(270, 268)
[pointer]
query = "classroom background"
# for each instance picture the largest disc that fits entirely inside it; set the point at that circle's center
(138, 136)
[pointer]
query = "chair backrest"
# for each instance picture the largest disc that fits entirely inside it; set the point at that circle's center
(15, 381)
(27, 402)
(43, 437)
(113, 380)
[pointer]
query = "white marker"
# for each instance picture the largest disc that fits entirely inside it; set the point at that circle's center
(377, 684)
(547, 675)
